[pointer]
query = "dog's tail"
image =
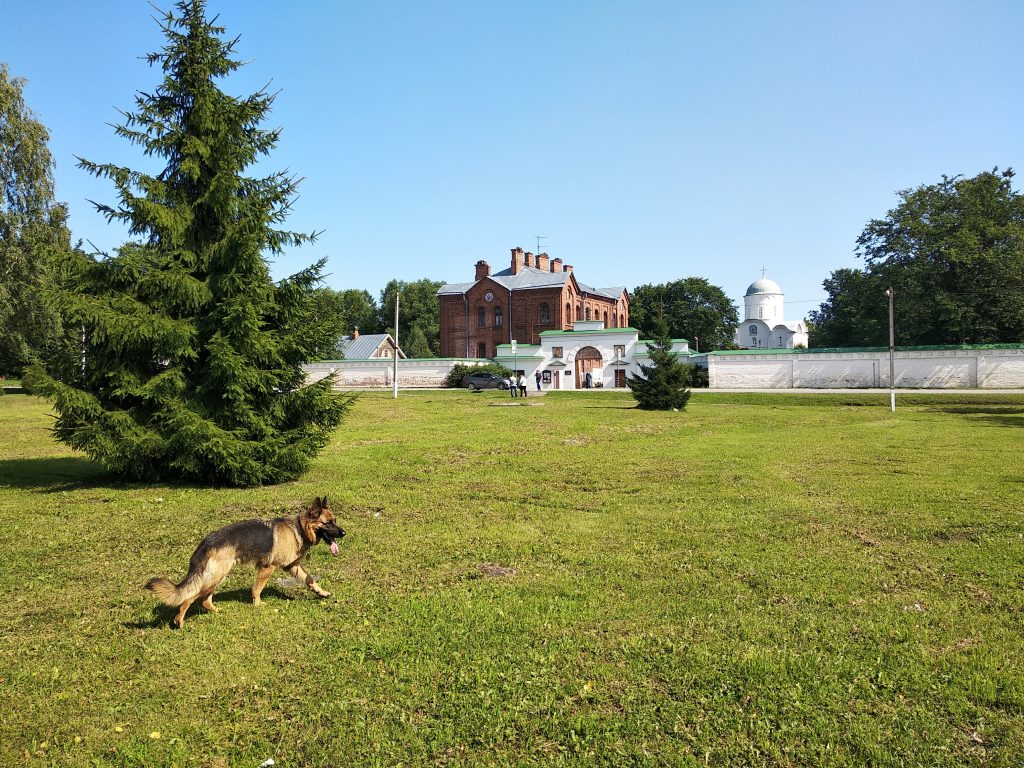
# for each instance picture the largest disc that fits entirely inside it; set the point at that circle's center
(173, 594)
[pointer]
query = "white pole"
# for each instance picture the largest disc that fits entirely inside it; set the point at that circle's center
(892, 355)
(395, 377)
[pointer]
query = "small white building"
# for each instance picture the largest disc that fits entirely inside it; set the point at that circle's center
(564, 358)
(764, 326)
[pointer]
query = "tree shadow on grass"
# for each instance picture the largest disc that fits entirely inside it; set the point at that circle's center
(1002, 416)
(52, 474)
(162, 615)
(998, 410)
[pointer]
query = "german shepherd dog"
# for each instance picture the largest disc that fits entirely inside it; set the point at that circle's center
(280, 542)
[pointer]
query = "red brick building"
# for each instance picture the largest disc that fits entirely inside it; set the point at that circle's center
(535, 294)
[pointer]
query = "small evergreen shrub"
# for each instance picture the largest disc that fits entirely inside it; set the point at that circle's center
(662, 384)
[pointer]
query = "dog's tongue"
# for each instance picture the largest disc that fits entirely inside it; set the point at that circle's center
(334, 547)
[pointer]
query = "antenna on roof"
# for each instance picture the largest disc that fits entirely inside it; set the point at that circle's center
(539, 238)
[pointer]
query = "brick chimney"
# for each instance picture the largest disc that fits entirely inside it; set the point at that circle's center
(567, 268)
(483, 269)
(542, 262)
(556, 265)
(528, 259)
(355, 333)
(517, 260)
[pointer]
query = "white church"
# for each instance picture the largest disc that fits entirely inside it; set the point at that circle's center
(763, 326)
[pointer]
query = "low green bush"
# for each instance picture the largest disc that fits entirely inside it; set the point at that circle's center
(461, 370)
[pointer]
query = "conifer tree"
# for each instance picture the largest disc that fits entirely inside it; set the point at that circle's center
(192, 361)
(662, 384)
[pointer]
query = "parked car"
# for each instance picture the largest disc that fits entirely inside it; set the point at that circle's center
(484, 381)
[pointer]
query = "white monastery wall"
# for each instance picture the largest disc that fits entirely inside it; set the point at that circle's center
(914, 369)
(356, 374)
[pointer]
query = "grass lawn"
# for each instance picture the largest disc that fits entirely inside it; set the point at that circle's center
(782, 580)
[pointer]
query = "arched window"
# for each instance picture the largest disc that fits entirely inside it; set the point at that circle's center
(568, 312)
(497, 317)
(605, 319)
(545, 314)
(579, 312)
(622, 321)
(481, 317)
(588, 313)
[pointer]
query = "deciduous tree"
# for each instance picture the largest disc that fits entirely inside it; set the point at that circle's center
(419, 317)
(342, 312)
(690, 308)
(33, 236)
(193, 356)
(954, 254)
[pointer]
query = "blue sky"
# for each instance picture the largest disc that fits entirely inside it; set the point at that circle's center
(648, 141)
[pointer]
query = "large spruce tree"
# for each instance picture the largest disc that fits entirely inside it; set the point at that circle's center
(191, 366)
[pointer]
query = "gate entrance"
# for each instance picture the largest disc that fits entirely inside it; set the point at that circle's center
(588, 359)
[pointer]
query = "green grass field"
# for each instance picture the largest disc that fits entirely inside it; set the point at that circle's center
(783, 580)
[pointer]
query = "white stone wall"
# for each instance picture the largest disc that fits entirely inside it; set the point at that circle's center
(914, 369)
(356, 374)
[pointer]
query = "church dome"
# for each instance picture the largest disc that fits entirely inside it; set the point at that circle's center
(764, 285)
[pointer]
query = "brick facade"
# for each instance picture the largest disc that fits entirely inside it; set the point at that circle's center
(535, 294)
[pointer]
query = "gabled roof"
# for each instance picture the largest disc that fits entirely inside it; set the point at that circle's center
(530, 277)
(454, 288)
(614, 293)
(365, 346)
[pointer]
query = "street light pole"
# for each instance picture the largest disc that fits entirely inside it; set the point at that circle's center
(892, 354)
(395, 376)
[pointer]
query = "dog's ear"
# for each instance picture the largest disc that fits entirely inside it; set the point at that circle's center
(325, 504)
(314, 511)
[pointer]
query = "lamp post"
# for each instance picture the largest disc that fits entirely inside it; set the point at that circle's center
(892, 355)
(395, 376)
(515, 363)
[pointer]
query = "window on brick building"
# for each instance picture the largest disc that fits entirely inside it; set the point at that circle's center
(579, 312)
(545, 313)
(568, 312)
(497, 316)
(481, 349)
(588, 313)
(605, 319)
(481, 318)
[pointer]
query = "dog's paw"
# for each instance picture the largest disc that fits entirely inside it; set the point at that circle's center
(323, 593)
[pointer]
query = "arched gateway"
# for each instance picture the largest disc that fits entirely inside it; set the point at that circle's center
(587, 359)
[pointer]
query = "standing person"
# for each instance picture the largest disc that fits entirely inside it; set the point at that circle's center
(522, 385)
(588, 380)
(512, 385)
(536, 376)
